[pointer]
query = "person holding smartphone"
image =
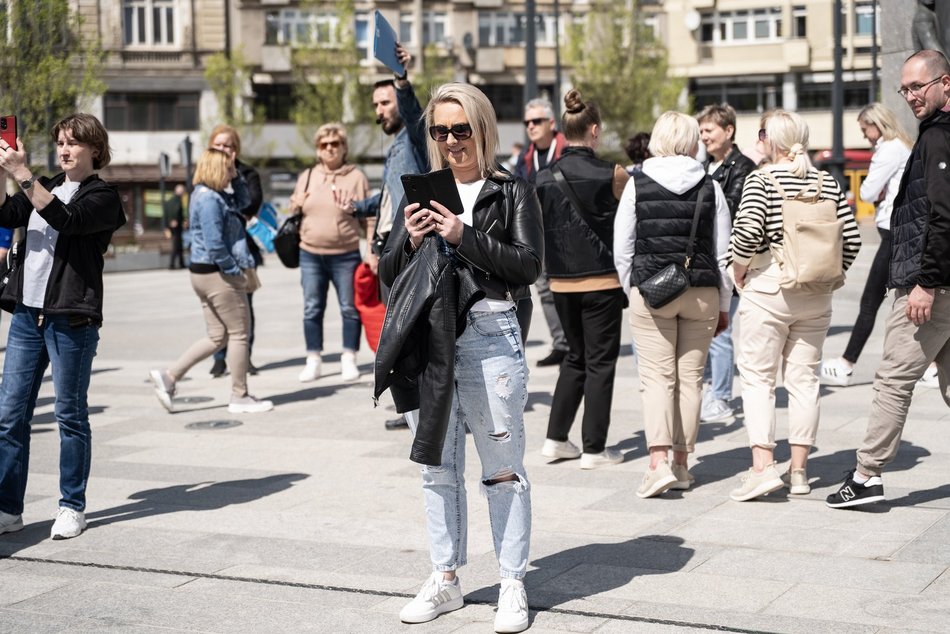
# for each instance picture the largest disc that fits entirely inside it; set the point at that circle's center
(499, 238)
(55, 293)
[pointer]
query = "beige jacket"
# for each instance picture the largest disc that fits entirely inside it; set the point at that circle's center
(326, 229)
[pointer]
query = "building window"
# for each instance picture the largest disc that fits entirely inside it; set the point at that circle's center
(148, 22)
(300, 28)
(508, 99)
(864, 18)
(799, 29)
(362, 30)
(746, 96)
(739, 27)
(503, 28)
(151, 111)
(274, 101)
(434, 27)
(814, 96)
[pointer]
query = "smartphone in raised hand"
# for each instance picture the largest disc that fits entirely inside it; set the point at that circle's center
(8, 129)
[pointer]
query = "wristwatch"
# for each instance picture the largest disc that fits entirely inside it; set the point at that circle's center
(28, 183)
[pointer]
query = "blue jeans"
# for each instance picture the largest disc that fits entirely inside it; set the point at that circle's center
(719, 365)
(30, 349)
(316, 273)
(490, 395)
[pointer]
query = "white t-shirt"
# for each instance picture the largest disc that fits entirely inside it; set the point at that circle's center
(469, 192)
(40, 246)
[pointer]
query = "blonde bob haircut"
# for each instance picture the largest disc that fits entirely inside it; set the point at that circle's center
(787, 136)
(336, 129)
(481, 117)
(224, 128)
(674, 134)
(213, 170)
(882, 118)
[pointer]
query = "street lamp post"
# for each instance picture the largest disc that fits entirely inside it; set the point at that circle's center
(836, 164)
(530, 54)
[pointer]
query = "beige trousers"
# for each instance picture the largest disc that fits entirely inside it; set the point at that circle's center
(672, 344)
(780, 330)
(908, 351)
(227, 318)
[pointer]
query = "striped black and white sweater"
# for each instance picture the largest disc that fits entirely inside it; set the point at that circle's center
(760, 213)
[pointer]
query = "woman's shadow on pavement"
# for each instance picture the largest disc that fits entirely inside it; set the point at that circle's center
(200, 496)
(594, 569)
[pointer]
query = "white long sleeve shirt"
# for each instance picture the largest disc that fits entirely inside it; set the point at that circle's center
(677, 174)
(884, 175)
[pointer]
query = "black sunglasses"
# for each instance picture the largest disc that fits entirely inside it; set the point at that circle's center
(531, 122)
(460, 131)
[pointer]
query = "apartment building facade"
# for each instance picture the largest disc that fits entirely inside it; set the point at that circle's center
(754, 54)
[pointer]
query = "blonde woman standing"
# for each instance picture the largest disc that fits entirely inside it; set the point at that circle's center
(780, 327)
(330, 246)
(891, 151)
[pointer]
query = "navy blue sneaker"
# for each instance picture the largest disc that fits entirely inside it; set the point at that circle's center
(853, 494)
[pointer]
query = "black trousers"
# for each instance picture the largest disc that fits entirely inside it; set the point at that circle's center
(875, 290)
(177, 259)
(592, 323)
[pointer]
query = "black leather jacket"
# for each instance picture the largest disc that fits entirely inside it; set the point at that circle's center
(731, 176)
(499, 257)
(504, 246)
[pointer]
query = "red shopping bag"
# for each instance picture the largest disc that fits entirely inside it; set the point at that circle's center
(366, 297)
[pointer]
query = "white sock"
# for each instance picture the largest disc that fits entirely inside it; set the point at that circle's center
(860, 478)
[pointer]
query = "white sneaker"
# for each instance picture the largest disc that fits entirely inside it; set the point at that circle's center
(797, 482)
(164, 387)
(436, 597)
(602, 459)
(247, 404)
(566, 450)
(10, 523)
(512, 614)
(929, 379)
(311, 371)
(684, 479)
(656, 481)
(716, 410)
(835, 372)
(757, 483)
(348, 368)
(69, 523)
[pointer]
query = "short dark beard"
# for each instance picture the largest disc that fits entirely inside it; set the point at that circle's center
(392, 126)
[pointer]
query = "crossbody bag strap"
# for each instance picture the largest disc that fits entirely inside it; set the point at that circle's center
(572, 196)
(695, 225)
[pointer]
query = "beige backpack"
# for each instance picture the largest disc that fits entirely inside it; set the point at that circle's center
(811, 255)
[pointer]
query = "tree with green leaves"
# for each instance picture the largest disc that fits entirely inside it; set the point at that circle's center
(49, 66)
(618, 63)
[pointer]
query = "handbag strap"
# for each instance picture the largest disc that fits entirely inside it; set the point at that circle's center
(572, 196)
(695, 225)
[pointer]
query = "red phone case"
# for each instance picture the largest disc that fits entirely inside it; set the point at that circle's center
(9, 134)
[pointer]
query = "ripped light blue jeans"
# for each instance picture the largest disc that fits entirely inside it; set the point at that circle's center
(490, 396)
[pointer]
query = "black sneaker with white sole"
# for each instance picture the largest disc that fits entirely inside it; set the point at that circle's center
(852, 493)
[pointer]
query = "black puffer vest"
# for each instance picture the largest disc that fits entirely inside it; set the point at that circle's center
(663, 223)
(910, 221)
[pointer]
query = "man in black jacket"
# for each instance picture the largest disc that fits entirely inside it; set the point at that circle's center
(918, 329)
(174, 212)
(727, 165)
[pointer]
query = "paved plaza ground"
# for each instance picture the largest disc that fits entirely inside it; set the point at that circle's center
(309, 518)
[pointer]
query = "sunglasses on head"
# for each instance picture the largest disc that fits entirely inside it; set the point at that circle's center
(460, 131)
(324, 145)
(530, 122)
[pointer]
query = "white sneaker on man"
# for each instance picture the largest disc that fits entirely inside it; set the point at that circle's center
(602, 459)
(929, 379)
(436, 597)
(69, 523)
(563, 449)
(311, 371)
(10, 523)
(349, 371)
(512, 614)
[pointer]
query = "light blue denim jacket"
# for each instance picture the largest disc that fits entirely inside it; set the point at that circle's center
(407, 155)
(217, 228)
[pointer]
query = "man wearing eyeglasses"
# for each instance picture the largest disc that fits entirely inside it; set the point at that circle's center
(918, 329)
(546, 146)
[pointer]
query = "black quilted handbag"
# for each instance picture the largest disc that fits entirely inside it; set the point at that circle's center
(672, 280)
(287, 242)
(665, 286)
